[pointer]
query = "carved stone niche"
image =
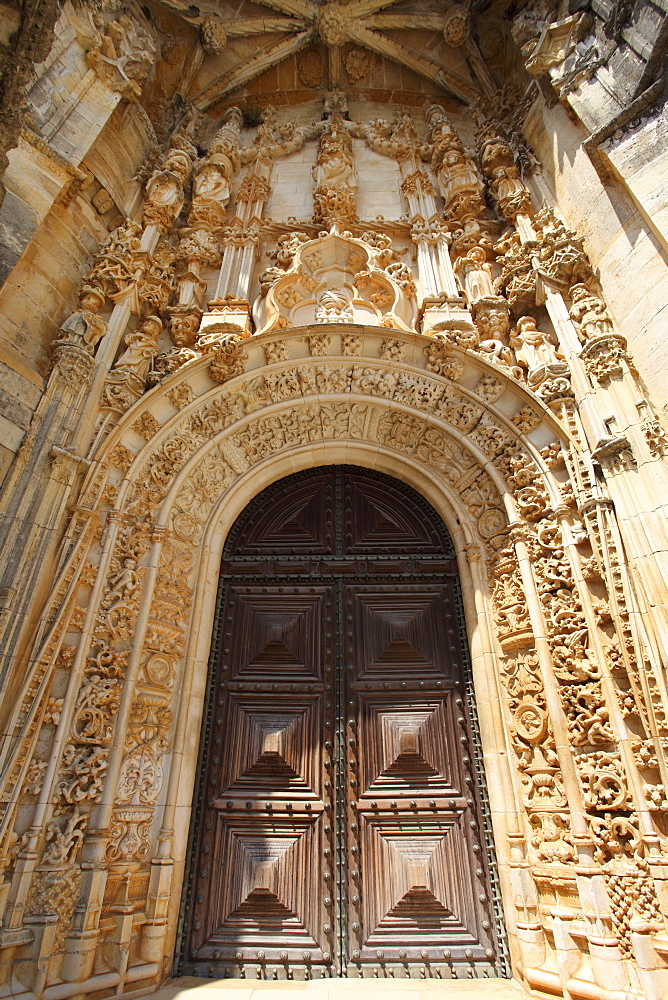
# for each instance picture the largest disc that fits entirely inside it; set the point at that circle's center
(336, 279)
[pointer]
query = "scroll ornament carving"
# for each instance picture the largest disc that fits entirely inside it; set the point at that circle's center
(440, 360)
(64, 837)
(84, 762)
(604, 782)
(533, 742)
(227, 360)
(335, 279)
(124, 57)
(552, 839)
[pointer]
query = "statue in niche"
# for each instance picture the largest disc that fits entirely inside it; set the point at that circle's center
(85, 328)
(141, 346)
(334, 176)
(533, 348)
(475, 275)
(335, 163)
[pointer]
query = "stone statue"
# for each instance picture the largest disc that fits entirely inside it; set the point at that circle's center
(141, 346)
(211, 193)
(457, 178)
(533, 348)
(475, 275)
(85, 328)
(164, 190)
(589, 312)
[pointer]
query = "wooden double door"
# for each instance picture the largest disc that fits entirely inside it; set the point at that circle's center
(338, 826)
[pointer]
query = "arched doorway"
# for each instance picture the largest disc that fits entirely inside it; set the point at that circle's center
(339, 826)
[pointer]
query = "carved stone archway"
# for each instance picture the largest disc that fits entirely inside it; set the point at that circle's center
(132, 612)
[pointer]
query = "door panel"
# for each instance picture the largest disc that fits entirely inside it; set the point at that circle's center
(338, 826)
(412, 811)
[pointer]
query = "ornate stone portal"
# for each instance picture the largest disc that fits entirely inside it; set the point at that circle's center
(463, 349)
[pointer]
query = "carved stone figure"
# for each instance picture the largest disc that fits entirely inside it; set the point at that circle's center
(164, 190)
(85, 328)
(334, 176)
(590, 313)
(498, 162)
(211, 193)
(141, 346)
(475, 275)
(458, 181)
(533, 348)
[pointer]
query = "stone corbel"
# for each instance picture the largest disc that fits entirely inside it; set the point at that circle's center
(614, 452)
(231, 314)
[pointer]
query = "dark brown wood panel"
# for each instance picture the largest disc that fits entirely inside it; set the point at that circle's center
(414, 852)
(338, 827)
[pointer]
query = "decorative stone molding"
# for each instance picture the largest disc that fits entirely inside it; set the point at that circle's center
(124, 57)
(336, 278)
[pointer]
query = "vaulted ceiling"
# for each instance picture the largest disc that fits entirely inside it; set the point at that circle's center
(285, 51)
